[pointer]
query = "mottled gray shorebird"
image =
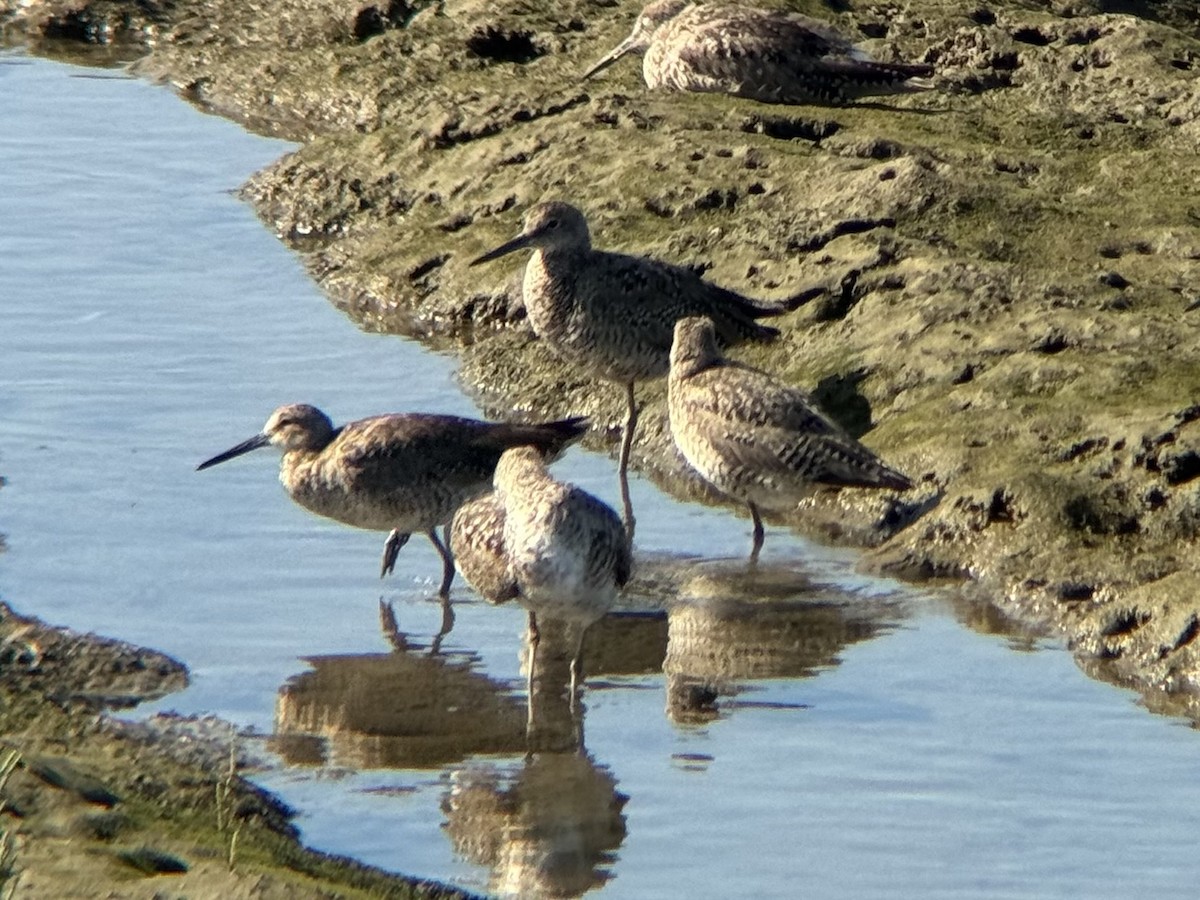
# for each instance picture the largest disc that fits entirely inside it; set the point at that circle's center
(567, 552)
(772, 56)
(753, 437)
(612, 315)
(399, 473)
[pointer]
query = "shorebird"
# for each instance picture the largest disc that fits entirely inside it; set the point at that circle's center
(611, 315)
(567, 552)
(772, 56)
(399, 473)
(753, 437)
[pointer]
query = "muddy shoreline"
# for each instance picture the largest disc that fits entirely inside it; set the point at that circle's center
(1010, 264)
(87, 799)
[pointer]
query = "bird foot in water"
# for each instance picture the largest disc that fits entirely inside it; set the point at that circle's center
(391, 549)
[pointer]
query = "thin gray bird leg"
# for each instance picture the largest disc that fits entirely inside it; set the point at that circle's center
(758, 533)
(631, 418)
(577, 670)
(534, 639)
(447, 563)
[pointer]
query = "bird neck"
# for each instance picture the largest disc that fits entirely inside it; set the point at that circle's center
(519, 474)
(301, 459)
(562, 256)
(695, 356)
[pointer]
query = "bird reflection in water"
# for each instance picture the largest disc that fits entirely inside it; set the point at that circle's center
(551, 825)
(405, 709)
(733, 625)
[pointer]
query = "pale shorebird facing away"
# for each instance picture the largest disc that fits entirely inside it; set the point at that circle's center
(754, 438)
(612, 315)
(399, 473)
(772, 56)
(565, 554)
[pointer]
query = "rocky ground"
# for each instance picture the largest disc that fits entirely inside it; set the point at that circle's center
(1010, 264)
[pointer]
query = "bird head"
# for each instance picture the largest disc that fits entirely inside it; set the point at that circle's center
(296, 426)
(694, 347)
(647, 23)
(548, 226)
(517, 466)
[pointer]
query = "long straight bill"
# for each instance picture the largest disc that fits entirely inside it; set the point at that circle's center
(259, 440)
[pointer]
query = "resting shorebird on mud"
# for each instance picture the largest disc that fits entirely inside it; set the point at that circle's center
(753, 437)
(611, 315)
(772, 56)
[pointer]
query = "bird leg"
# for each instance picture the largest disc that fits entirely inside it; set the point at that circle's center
(391, 549)
(758, 533)
(631, 417)
(447, 563)
(534, 638)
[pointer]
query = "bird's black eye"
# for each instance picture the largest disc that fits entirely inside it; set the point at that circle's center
(553, 223)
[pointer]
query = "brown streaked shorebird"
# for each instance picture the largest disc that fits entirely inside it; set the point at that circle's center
(772, 56)
(567, 552)
(753, 437)
(399, 473)
(612, 315)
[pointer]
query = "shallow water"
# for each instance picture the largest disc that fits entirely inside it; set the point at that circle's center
(864, 743)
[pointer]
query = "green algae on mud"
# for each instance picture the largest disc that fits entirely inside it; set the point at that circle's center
(1009, 262)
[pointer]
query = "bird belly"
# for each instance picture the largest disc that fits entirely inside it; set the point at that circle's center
(555, 582)
(395, 507)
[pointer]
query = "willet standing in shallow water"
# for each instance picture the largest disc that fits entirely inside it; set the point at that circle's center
(398, 473)
(768, 55)
(755, 438)
(612, 315)
(567, 552)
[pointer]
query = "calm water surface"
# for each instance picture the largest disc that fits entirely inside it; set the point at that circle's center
(869, 746)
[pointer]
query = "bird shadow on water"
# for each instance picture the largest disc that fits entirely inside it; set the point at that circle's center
(552, 823)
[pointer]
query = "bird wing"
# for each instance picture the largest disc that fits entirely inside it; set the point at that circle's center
(782, 58)
(744, 396)
(609, 548)
(654, 294)
(403, 450)
(778, 432)
(722, 39)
